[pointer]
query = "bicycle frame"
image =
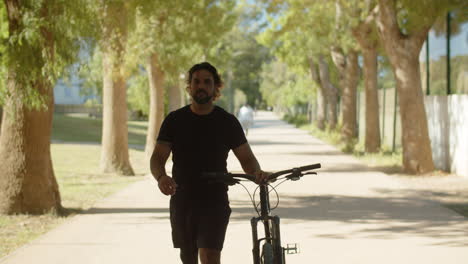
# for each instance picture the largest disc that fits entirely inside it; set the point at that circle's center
(271, 224)
(272, 230)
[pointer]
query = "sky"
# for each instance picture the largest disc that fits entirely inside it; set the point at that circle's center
(458, 44)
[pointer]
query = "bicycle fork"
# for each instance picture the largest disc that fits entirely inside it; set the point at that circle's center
(273, 238)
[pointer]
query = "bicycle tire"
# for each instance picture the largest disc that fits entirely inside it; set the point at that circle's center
(267, 254)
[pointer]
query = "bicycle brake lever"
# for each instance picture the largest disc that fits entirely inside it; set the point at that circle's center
(295, 178)
(232, 182)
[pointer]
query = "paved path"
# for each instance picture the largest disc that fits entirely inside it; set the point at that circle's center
(346, 214)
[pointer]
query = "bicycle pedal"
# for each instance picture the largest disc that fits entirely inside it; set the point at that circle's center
(292, 249)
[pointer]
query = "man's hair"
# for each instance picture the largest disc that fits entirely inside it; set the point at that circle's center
(216, 77)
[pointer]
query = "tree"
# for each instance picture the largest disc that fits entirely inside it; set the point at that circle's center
(348, 67)
(366, 35)
(249, 56)
(403, 27)
(358, 19)
(115, 20)
(168, 37)
(3, 35)
(345, 57)
(41, 42)
(297, 39)
(284, 89)
(321, 98)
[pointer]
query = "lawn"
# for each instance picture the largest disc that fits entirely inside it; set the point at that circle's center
(75, 155)
(81, 128)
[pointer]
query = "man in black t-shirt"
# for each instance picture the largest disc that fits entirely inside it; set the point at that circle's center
(200, 136)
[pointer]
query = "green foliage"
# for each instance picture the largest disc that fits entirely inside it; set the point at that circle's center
(300, 32)
(90, 71)
(3, 48)
(243, 55)
(458, 74)
(414, 15)
(179, 33)
(41, 42)
(297, 120)
(138, 92)
(284, 88)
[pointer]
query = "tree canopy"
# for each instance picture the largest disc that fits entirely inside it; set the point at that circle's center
(24, 48)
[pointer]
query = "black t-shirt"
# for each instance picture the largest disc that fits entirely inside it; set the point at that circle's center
(200, 143)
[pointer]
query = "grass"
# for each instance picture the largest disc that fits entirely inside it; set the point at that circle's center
(81, 184)
(17, 230)
(81, 128)
(76, 168)
(385, 160)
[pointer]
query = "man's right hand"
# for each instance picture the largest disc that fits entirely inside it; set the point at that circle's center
(167, 185)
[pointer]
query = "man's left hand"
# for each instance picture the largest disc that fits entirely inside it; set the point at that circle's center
(261, 176)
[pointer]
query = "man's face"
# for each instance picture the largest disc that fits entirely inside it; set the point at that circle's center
(202, 86)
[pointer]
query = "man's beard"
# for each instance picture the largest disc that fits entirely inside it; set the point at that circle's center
(201, 97)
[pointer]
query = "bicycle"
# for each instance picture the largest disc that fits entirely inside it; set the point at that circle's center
(266, 250)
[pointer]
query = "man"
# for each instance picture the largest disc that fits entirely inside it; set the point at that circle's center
(200, 136)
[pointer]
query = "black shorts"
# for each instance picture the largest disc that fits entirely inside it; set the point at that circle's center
(199, 223)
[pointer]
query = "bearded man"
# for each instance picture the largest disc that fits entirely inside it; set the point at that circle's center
(200, 136)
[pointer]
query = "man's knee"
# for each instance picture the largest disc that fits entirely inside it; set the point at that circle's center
(210, 256)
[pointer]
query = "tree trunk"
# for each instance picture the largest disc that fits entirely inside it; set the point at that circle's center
(27, 180)
(331, 93)
(1, 117)
(175, 97)
(403, 52)
(156, 114)
(321, 99)
(365, 35)
(372, 138)
(321, 110)
(114, 155)
(351, 78)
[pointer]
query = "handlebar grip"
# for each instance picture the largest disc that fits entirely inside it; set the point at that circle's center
(310, 167)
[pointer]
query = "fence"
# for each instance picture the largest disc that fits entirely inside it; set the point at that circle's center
(448, 129)
(389, 117)
(447, 123)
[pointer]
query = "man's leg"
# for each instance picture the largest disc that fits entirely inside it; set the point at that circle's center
(189, 255)
(212, 231)
(210, 256)
(183, 227)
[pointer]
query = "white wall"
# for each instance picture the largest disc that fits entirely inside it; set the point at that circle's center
(68, 93)
(448, 129)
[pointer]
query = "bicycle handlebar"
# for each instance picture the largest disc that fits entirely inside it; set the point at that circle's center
(229, 178)
(295, 170)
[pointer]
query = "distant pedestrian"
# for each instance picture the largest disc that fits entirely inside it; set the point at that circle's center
(246, 117)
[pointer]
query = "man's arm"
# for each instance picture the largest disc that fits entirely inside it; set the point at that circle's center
(158, 170)
(249, 163)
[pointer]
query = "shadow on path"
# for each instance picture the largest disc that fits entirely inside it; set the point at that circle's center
(371, 217)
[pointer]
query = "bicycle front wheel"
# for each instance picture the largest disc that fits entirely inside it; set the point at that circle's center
(267, 254)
